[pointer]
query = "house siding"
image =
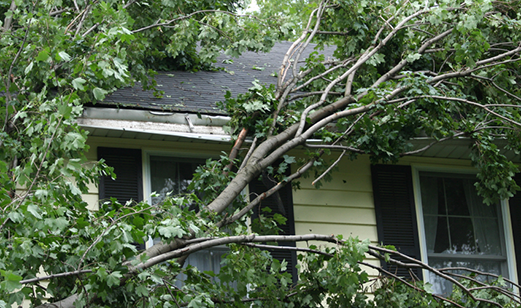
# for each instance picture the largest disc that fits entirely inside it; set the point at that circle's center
(343, 206)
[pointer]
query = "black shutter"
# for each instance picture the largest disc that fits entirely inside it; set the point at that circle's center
(396, 212)
(128, 184)
(257, 187)
(127, 167)
(515, 216)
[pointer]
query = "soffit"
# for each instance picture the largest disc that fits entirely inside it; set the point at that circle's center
(457, 149)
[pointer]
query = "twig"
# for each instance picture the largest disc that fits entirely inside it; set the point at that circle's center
(425, 148)
(170, 291)
(366, 56)
(230, 240)
(329, 169)
(186, 17)
(80, 25)
(235, 149)
(37, 171)
(105, 231)
(408, 283)
(301, 249)
(10, 72)
(8, 20)
(59, 11)
(90, 29)
(462, 100)
(129, 4)
(248, 155)
(425, 266)
(310, 80)
(26, 281)
(76, 18)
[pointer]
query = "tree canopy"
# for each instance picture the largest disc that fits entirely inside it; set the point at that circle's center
(402, 70)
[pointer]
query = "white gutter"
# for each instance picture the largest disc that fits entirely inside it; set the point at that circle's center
(203, 127)
(153, 116)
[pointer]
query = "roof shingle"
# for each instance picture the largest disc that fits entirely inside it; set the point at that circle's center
(198, 92)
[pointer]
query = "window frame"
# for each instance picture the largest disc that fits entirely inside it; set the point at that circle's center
(506, 225)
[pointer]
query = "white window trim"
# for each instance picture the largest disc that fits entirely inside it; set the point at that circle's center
(505, 216)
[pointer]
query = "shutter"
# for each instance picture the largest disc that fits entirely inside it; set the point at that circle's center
(128, 184)
(396, 212)
(257, 187)
(127, 167)
(515, 216)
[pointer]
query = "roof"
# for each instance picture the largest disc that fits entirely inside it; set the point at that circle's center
(198, 92)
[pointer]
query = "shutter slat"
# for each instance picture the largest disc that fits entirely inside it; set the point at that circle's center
(127, 167)
(128, 183)
(396, 212)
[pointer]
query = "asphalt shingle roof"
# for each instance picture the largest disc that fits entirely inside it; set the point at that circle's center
(198, 92)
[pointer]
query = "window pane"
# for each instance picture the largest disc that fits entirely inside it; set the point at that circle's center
(164, 177)
(488, 238)
(462, 236)
(442, 286)
(186, 173)
(455, 198)
(442, 243)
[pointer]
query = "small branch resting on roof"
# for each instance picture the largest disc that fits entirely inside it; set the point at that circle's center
(190, 124)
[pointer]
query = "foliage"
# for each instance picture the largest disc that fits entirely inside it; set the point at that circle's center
(442, 70)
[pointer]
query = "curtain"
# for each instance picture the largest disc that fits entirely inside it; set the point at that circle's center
(484, 220)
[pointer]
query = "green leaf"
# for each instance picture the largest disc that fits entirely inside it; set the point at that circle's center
(78, 83)
(99, 93)
(29, 67)
(43, 55)
(64, 56)
(34, 210)
(141, 290)
(114, 279)
(170, 231)
(413, 57)
(11, 281)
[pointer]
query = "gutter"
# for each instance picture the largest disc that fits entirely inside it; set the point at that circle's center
(153, 116)
(184, 125)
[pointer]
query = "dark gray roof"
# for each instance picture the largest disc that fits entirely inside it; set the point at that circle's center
(198, 92)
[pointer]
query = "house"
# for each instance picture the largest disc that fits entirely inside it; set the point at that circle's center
(426, 205)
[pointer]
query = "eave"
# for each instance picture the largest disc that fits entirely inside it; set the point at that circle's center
(189, 127)
(154, 125)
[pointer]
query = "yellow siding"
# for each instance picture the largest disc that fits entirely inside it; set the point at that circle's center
(345, 205)
(342, 206)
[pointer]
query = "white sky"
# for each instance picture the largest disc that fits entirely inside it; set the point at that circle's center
(252, 7)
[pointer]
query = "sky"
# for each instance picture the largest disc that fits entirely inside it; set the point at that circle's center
(252, 7)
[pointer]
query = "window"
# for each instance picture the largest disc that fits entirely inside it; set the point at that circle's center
(457, 228)
(168, 174)
(460, 230)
